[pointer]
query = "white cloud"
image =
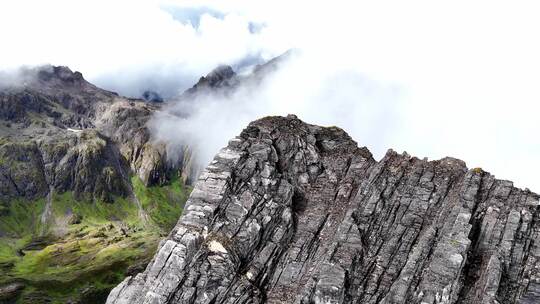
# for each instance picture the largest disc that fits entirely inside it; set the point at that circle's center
(123, 45)
(435, 78)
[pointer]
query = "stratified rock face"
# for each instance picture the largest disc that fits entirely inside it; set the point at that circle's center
(295, 213)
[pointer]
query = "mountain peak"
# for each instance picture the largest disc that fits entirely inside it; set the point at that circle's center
(63, 73)
(220, 73)
(290, 212)
(220, 77)
(224, 80)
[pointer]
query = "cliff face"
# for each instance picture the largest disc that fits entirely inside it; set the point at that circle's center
(294, 213)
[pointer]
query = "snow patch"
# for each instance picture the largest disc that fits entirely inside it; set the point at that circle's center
(216, 246)
(456, 258)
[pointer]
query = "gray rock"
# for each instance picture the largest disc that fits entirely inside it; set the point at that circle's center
(9, 291)
(294, 213)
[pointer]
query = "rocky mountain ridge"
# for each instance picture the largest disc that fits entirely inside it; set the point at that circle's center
(223, 80)
(295, 213)
(61, 132)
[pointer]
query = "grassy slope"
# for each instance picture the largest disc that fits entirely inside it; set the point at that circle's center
(85, 259)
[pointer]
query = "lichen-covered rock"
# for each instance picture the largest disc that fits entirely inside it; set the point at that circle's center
(85, 162)
(21, 170)
(294, 213)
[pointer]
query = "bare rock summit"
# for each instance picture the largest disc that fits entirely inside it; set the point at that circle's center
(290, 212)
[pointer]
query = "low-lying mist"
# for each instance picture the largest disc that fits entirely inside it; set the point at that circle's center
(209, 120)
(377, 114)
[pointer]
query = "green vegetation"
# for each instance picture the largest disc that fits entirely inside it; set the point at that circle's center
(454, 242)
(163, 204)
(20, 218)
(85, 247)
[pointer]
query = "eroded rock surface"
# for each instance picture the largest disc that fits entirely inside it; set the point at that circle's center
(294, 213)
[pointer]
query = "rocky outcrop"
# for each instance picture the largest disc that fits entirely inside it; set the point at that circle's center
(294, 213)
(9, 291)
(83, 162)
(21, 171)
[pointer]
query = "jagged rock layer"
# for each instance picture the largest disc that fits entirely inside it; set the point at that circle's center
(294, 213)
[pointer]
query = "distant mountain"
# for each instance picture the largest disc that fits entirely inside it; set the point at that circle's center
(85, 192)
(76, 137)
(219, 78)
(223, 80)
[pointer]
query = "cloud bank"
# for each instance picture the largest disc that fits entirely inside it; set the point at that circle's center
(342, 97)
(433, 78)
(128, 46)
